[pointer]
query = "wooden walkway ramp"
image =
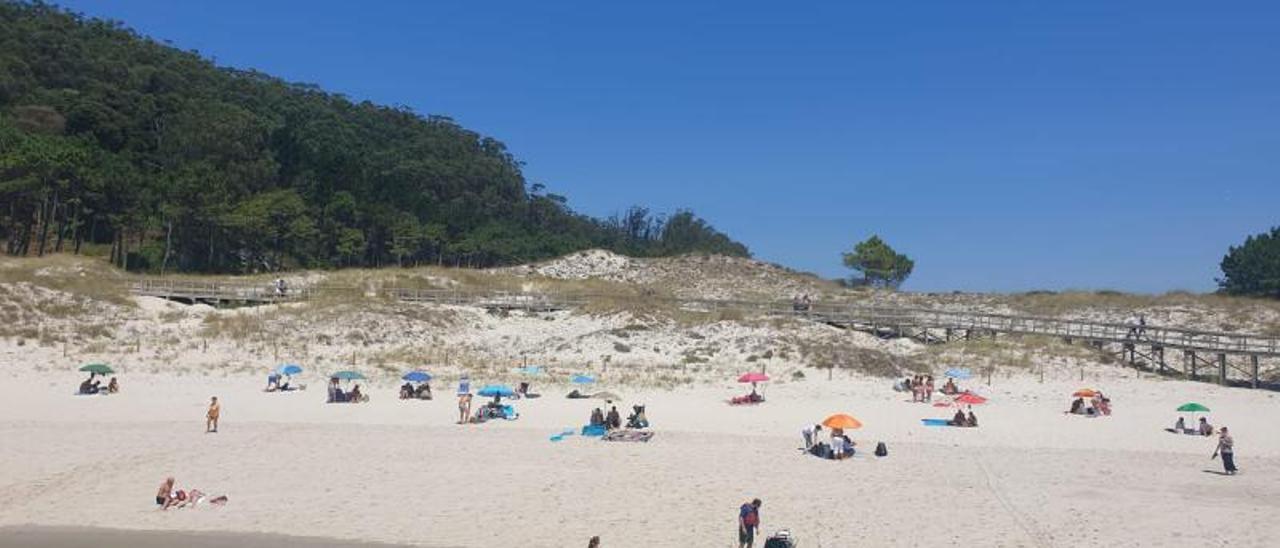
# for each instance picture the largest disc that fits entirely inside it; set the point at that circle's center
(1226, 357)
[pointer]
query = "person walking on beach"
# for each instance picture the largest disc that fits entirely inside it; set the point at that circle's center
(1226, 448)
(211, 417)
(748, 523)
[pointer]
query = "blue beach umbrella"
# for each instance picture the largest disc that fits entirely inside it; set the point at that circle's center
(289, 369)
(582, 379)
(348, 375)
(496, 390)
(958, 373)
(417, 376)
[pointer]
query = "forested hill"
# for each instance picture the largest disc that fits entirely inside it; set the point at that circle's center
(110, 140)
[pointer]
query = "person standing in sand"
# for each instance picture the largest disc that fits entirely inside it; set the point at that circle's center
(211, 417)
(748, 523)
(1226, 448)
(464, 407)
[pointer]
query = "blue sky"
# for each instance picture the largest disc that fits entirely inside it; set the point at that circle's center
(1003, 145)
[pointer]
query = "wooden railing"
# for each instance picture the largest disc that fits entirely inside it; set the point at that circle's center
(850, 315)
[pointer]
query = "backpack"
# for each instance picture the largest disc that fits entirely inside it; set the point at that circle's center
(752, 519)
(882, 450)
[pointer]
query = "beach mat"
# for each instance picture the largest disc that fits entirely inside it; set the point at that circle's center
(934, 422)
(628, 435)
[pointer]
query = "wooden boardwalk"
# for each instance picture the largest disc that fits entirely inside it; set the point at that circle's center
(1227, 357)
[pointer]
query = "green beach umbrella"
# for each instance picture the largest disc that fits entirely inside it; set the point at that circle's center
(1193, 408)
(99, 368)
(348, 375)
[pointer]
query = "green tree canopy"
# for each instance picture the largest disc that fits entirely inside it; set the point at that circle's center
(110, 138)
(879, 264)
(1253, 268)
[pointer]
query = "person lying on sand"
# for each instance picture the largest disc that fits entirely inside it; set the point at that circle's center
(176, 499)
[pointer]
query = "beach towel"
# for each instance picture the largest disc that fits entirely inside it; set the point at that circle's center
(935, 422)
(628, 435)
(593, 430)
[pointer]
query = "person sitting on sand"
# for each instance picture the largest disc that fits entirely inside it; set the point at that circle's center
(1180, 426)
(162, 495)
(1205, 429)
(958, 419)
(1103, 405)
(87, 386)
(354, 396)
(972, 420)
(637, 419)
(406, 391)
(177, 499)
(424, 391)
(113, 386)
(950, 388)
(613, 421)
(1077, 407)
(273, 382)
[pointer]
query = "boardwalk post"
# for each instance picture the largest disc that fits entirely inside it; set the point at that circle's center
(1191, 359)
(1253, 361)
(1222, 369)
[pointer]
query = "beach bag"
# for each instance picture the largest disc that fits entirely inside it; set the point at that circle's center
(882, 450)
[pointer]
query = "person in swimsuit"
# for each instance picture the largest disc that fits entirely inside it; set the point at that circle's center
(464, 407)
(113, 386)
(211, 417)
(163, 494)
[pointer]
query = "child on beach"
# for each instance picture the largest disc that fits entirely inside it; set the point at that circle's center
(211, 416)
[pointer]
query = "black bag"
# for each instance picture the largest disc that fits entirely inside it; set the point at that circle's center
(882, 450)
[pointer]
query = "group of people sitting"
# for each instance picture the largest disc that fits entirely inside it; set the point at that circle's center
(610, 421)
(1204, 428)
(1097, 406)
(921, 388)
(170, 497)
(960, 419)
(753, 397)
(92, 386)
(278, 383)
(839, 447)
(410, 392)
(337, 395)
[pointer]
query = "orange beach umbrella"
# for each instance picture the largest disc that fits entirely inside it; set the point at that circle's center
(841, 421)
(1085, 393)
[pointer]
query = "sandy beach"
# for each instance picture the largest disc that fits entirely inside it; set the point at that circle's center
(403, 472)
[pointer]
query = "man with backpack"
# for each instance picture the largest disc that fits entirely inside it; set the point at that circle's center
(748, 523)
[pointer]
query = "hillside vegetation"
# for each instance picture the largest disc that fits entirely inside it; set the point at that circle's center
(166, 162)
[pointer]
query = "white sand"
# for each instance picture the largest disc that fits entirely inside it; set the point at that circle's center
(403, 472)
